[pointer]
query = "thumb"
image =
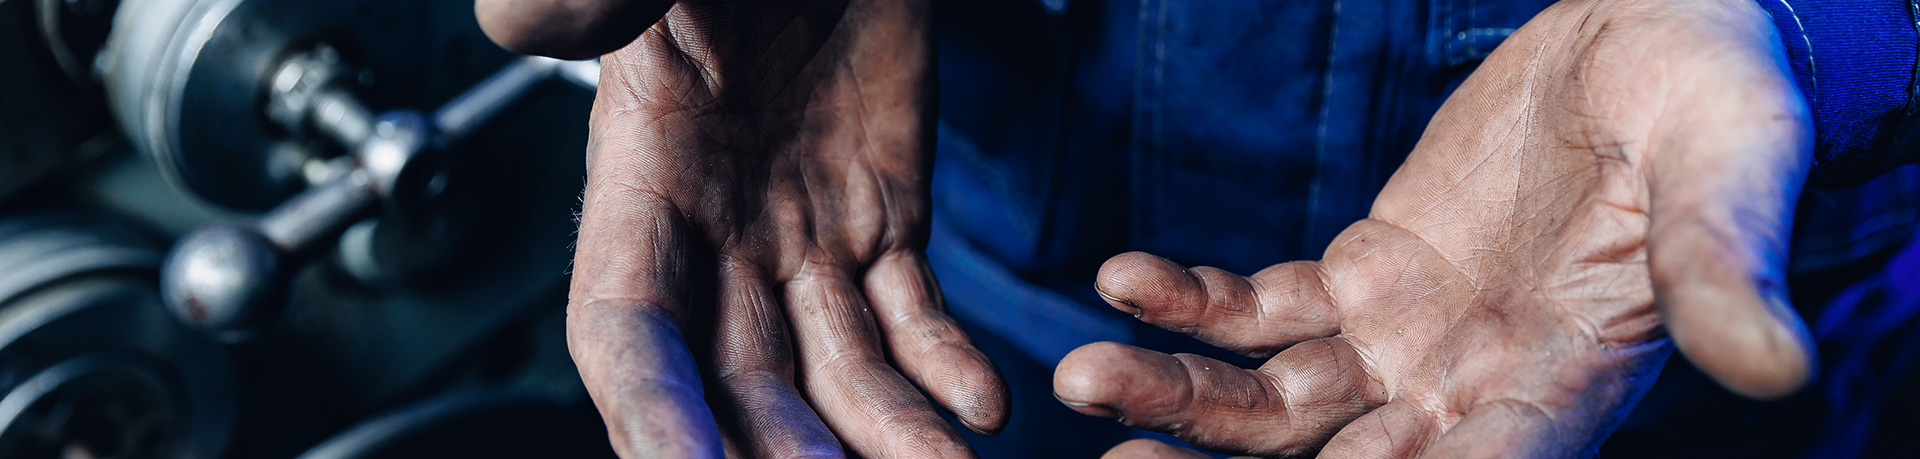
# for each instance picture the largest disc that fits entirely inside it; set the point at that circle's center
(1724, 174)
(567, 29)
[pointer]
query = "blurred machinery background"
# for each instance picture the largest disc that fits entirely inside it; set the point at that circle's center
(284, 228)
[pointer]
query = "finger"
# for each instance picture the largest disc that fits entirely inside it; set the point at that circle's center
(636, 366)
(624, 314)
(930, 347)
(1287, 407)
(1258, 316)
(867, 404)
(1512, 429)
(567, 29)
(1397, 429)
(1723, 181)
(753, 362)
(1141, 448)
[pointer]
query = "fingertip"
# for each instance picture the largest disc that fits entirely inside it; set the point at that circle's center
(1142, 448)
(1761, 351)
(1082, 382)
(567, 29)
(1090, 409)
(1786, 364)
(1129, 280)
(987, 405)
(1800, 359)
(1101, 379)
(1720, 289)
(931, 349)
(982, 403)
(1785, 379)
(989, 425)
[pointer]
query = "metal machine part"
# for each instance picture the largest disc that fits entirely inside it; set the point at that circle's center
(288, 99)
(74, 31)
(228, 278)
(49, 116)
(416, 257)
(90, 364)
(187, 80)
(253, 105)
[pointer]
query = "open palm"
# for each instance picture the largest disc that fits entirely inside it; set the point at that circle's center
(757, 189)
(1616, 177)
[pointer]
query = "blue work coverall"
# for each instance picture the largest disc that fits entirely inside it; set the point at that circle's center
(1244, 133)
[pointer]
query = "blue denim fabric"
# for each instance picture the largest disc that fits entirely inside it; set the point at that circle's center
(1230, 133)
(1854, 59)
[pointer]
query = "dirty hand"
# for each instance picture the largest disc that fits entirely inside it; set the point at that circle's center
(750, 276)
(1617, 178)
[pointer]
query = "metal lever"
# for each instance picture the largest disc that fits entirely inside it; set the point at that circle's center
(232, 278)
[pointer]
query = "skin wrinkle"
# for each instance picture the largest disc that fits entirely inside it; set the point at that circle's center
(627, 368)
(1391, 443)
(669, 49)
(793, 26)
(1270, 313)
(775, 443)
(681, 32)
(887, 239)
(1510, 272)
(661, 242)
(860, 117)
(832, 303)
(1452, 322)
(744, 148)
(940, 341)
(1287, 400)
(1458, 269)
(747, 291)
(1530, 250)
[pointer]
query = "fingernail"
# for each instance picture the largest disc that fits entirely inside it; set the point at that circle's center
(1093, 409)
(1123, 305)
(969, 421)
(978, 430)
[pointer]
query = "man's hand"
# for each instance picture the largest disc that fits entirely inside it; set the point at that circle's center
(1618, 172)
(758, 178)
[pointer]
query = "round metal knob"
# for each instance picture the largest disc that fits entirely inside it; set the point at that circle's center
(228, 278)
(233, 278)
(223, 278)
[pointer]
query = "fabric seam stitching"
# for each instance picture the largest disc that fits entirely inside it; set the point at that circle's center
(1813, 70)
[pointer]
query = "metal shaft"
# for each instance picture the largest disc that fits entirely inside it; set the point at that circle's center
(227, 278)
